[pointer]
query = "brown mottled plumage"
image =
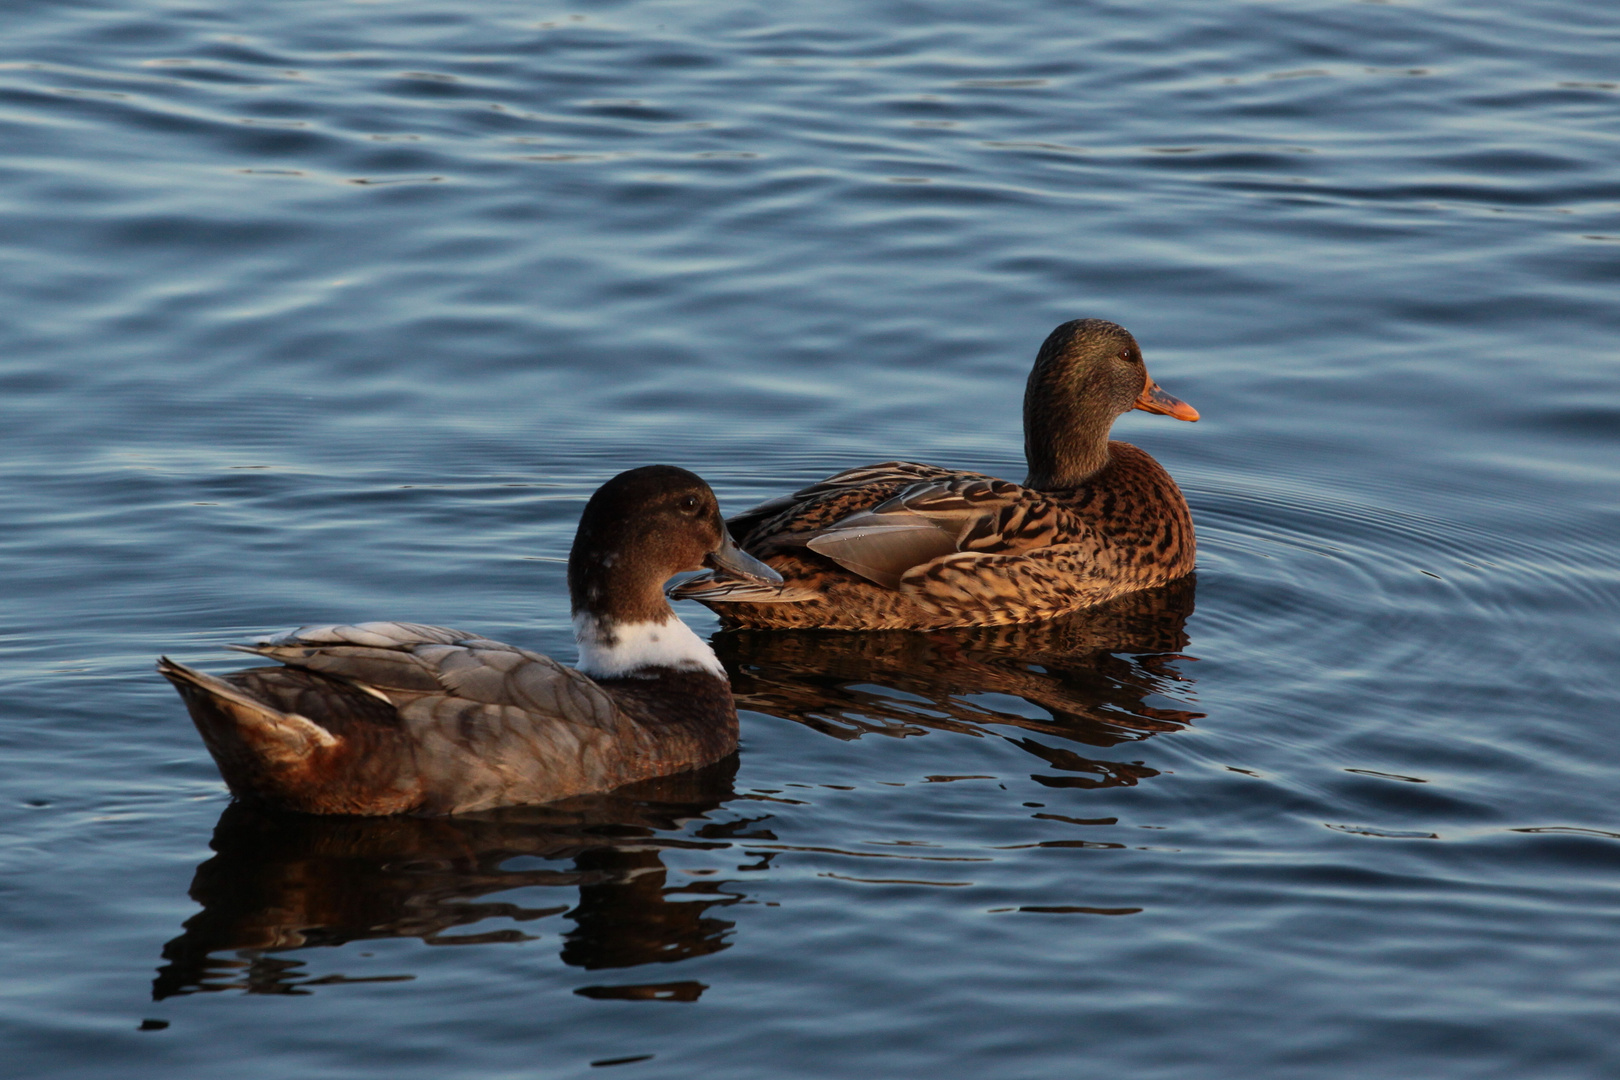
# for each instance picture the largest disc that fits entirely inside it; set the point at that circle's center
(908, 546)
(390, 718)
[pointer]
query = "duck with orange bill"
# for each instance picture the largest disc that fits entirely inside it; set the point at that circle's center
(908, 546)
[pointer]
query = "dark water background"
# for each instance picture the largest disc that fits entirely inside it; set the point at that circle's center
(338, 310)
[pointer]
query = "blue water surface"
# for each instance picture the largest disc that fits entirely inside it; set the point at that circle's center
(337, 311)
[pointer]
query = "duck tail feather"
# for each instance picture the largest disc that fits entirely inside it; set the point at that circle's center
(245, 735)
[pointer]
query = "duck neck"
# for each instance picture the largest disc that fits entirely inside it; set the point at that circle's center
(1065, 433)
(609, 649)
(623, 625)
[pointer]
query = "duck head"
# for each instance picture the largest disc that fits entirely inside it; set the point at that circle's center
(1087, 373)
(639, 529)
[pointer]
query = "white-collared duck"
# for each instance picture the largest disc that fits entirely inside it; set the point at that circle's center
(393, 718)
(908, 546)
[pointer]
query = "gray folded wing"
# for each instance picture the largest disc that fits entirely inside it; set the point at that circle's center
(397, 659)
(488, 723)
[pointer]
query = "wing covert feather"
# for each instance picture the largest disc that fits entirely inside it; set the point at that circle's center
(882, 552)
(818, 505)
(410, 662)
(932, 519)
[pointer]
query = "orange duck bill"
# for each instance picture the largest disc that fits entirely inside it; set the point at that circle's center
(1155, 400)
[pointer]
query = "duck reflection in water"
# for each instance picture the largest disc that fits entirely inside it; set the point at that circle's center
(1090, 673)
(284, 882)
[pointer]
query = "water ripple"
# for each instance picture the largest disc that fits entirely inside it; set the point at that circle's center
(342, 311)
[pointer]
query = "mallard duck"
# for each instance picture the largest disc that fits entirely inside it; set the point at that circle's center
(393, 718)
(908, 546)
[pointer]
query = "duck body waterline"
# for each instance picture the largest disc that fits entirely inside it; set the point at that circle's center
(909, 546)
(392, 718)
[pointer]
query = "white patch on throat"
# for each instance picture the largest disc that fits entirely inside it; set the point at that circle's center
(636, 647)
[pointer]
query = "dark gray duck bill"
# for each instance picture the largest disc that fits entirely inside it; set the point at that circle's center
(733, 560)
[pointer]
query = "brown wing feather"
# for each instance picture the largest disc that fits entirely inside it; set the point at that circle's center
(934, 519)
(788, 521)
(881, 553)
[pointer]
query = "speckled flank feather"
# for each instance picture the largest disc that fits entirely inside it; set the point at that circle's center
(390, 717)
(902, 545)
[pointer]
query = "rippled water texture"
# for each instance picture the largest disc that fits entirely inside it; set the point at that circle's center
(338, 310)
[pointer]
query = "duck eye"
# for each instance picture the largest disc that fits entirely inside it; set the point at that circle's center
(689, 503)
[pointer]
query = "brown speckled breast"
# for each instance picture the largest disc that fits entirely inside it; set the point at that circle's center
(1143, 530)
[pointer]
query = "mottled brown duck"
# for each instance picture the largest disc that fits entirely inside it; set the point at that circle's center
(908, 546)
(395, 718)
